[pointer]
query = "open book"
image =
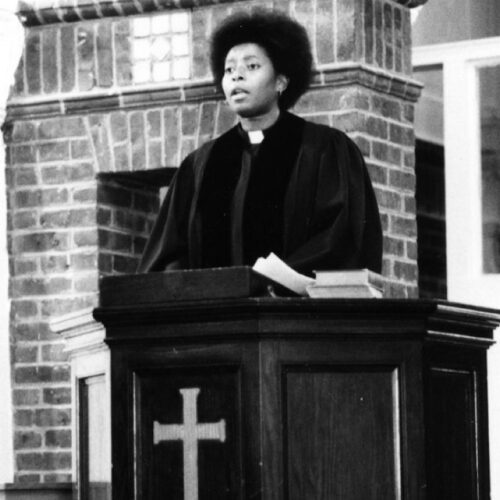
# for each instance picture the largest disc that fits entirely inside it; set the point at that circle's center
(356, 283)
(274, 268)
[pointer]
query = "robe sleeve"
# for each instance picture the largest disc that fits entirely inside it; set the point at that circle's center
(343, 221)
(167, 246)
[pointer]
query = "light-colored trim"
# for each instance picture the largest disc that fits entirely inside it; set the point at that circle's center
(11, 45)
(429, 55)
(89, 357)
(81, 332)
(460, 61)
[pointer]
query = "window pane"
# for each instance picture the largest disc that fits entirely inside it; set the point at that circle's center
(430, 197)
(429, 111)
(441, 21)
(141, 26)
(180, 46)
(181, 68)
(161, 48)
(489, 92)
(141, 72)
(161, 71)
(141, 48)
(160, 24)
(180, 22)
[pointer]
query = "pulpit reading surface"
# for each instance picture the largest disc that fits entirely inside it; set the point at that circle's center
(182, 285)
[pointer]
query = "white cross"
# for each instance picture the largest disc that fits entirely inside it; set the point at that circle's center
(190, 432)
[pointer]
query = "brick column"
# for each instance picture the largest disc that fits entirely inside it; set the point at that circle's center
(11, 44)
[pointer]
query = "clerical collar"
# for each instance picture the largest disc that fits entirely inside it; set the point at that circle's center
(255, 136)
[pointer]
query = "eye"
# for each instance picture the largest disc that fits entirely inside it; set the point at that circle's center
(228, 70)
(253, 66)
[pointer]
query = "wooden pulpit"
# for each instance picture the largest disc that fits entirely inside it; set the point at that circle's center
(222, 393)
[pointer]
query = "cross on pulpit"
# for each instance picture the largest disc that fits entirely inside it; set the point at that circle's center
(190, 432)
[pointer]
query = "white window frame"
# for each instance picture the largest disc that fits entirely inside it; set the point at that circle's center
(466, 280)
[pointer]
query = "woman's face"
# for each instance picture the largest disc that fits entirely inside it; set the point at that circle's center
(250, 82)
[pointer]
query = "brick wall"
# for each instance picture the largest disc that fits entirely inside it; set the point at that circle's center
(82, 132)
(53, 259)
(124, 219)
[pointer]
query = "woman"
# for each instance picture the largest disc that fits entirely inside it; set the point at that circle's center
(273, 183)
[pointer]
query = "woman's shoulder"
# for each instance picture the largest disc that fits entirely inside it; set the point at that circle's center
(202, 152)
(325, 132)
(321, 136)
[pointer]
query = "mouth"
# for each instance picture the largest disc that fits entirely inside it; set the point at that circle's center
(237, 92)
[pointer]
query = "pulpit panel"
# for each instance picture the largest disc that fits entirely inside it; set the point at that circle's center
(342, 433)
(453, 434)
(187, 433)
(456, 416)
(94, 445)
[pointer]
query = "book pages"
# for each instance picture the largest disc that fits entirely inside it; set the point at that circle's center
(274, 268)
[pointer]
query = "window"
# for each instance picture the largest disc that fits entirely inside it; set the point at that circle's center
(489, 115)
(161, 48)
(471, 135)
(430, 191)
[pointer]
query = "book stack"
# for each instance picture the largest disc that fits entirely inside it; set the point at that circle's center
(357, 283)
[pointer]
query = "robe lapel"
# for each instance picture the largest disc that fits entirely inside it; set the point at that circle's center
(299, 198)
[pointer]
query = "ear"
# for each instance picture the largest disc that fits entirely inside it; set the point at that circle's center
(282, 83)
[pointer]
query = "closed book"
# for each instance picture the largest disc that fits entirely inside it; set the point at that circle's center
(346, 291)
(349, 277)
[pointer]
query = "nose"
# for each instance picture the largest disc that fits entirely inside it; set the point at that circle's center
(238, 73)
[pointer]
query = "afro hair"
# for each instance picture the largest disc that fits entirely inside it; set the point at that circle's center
(284, 40)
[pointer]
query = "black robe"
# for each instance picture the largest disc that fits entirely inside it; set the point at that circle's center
(308, 199)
